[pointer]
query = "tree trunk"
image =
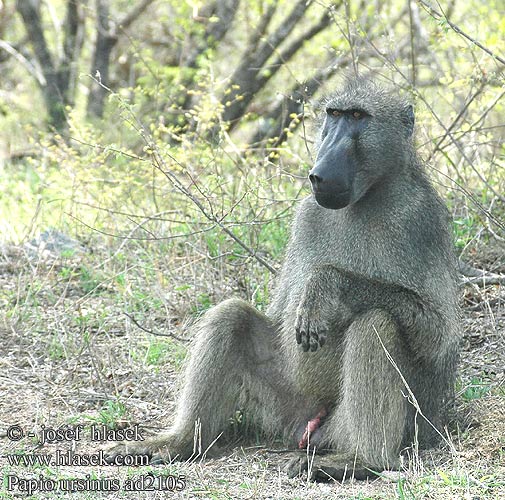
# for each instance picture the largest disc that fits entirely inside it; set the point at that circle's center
(105, 41)
(243, 83)
(107, 35)
(287, 114)
(253, 74)
(54, 87)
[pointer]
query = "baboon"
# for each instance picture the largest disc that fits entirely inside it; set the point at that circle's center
(357, 353)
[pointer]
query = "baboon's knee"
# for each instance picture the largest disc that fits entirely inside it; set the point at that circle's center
(232, 306)
(374, 334)
(229, 313)
(234, 327)
(227, 318)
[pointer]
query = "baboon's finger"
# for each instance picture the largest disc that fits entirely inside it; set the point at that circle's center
(322, 338)
(298, 335)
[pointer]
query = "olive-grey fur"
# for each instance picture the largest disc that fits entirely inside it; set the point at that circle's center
(377, 279)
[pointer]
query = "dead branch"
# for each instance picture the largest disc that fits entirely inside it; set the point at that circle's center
(150, 332)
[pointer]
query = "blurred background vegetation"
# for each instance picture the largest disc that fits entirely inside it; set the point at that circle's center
(182, 131)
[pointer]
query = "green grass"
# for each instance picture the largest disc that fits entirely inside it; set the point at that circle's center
(111, 412)
(464, 230)
(477, 389)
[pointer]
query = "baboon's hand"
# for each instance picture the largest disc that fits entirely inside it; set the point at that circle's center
(310, 329)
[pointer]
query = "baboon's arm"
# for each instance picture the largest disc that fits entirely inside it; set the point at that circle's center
(333, 298)
(321, 309)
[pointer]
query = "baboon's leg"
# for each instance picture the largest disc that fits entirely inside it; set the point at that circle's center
(232, 365)
(373, 405)
(367, 427)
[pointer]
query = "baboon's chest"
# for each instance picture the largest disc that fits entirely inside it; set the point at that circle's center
(345, 245)
(367, 249)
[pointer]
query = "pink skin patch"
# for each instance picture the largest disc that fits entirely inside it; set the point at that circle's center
(312, 425)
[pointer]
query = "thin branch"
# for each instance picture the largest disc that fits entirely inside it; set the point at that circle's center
(31, 68)
(487, 110)
(158, 334)
(349, 36)
(458, 185)
(267, 48)
(487, 279)
(294, 47)
(449, 129)
(243, 83)
(161, 166)
(159, 163)
(140, 238)
(462, 152)
(438, 16)
(412, 46)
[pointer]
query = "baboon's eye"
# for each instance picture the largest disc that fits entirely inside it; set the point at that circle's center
(357, 114)
(335, 112)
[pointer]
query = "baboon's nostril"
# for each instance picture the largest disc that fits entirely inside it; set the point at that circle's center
(314, 179)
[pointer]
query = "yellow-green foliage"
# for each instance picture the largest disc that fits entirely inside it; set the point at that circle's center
(122, 176)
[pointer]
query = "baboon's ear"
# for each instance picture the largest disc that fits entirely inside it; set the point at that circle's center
(408, 118)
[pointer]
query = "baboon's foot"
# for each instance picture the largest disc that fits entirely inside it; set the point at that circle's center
(310, 328)
(165, 448)
(328, 468)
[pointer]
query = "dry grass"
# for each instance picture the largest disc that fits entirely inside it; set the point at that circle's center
(70, 355)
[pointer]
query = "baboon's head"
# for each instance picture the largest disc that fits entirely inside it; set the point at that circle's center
(365, 138)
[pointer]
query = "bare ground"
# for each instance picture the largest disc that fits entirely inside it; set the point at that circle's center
(68, 352)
